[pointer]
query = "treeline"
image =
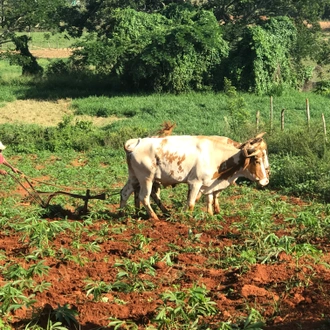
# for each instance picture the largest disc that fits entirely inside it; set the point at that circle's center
(179, 46)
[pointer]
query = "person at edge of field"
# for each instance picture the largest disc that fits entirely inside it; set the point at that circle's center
(5, 162)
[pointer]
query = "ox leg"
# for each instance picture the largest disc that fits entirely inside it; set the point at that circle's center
(192, 195)
(209, 203)
(137, 198)
(145, 192)
(126, 192)
(199, 195)
(216, 205)
(155, 194)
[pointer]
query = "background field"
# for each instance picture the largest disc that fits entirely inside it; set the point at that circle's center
(263, 260)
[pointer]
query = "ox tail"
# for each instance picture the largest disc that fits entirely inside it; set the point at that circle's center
(131, 144)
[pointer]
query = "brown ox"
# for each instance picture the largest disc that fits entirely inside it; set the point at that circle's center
(208, 164)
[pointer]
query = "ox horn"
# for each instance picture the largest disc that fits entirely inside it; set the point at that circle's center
(260, 135)
(250, 142)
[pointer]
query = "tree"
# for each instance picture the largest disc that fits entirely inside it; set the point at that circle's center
(94, 15)
(249, 11)
(22, 16)
(175, 50)
(262, 60)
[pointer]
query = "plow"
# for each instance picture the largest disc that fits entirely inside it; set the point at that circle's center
(43, 198)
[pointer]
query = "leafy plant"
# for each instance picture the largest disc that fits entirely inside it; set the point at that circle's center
(120, 324)
(253, 321)
(65, 315)
(12, 298)
(4, 326)
(184, 308)
(96, 289)
(128, 278)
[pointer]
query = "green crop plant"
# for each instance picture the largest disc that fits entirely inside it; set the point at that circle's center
(49, 326)
(96, 288)
(4, 325)
(306, 250)
(167, 258)
(120, 324)
(80, 259)
(38, 269)
(184, 309)
(92, 247)
(252, 321)
(128, 278)
(66, 315)
(63, 254)
(140, 241)
(12, 298)
(16, 272)
(310, 224)
(40, 287)
(40, 231)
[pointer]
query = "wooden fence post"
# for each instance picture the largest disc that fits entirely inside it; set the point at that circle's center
(282, 119)
(271, 113)
(324, 128)
(308, 114)
(257, 120)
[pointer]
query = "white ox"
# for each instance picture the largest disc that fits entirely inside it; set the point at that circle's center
(155, 192)
(208, 164)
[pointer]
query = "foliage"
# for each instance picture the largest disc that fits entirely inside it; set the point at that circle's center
(176, 51)
(65, 315)
(184, 57)
(253, 321)
(128, 277)
(4, 326)
(20, 18)
(12, 297)
(184, 308)
(65, 136)
(238, 114)
(261, 60)
(236, 14)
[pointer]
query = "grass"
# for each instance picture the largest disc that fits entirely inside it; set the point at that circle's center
(255, 227)
(44, 40)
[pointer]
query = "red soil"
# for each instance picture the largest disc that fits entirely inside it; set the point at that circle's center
(290, 295)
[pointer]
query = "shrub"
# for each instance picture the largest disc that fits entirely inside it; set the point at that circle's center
(260, 62)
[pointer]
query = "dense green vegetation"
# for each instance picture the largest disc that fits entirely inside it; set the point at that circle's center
(174, 46)
(299, 155)
(145, 64)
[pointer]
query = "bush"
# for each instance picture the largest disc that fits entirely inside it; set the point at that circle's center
(176, 51)
(260, 62)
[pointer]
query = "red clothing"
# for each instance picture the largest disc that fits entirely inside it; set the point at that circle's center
(2, 159)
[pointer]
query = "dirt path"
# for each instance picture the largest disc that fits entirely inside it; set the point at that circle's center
(44, 113)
